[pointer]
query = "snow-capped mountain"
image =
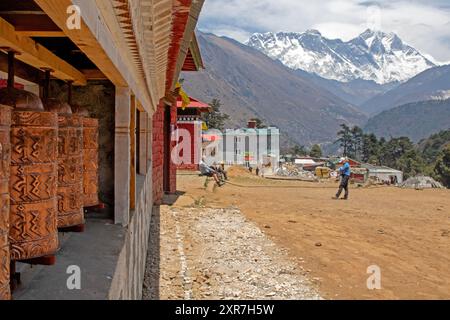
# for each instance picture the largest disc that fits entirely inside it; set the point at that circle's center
(373, 55)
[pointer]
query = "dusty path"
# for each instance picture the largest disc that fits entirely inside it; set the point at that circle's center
(404, 232)
(218, 254)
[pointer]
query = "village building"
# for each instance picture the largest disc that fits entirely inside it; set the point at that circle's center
(251, 146)
(190, 133)
(308, 163)
(384, 174)
(123, 59)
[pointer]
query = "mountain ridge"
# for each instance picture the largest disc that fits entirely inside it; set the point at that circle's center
(432, 84)
(373, 55)
(417, 120)
(250, 84)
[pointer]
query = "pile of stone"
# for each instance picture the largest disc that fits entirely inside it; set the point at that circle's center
(294, 171)
(422, 182)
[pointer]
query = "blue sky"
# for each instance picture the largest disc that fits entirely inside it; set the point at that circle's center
(423, 24)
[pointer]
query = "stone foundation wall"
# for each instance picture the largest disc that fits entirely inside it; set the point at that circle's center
(129, 275)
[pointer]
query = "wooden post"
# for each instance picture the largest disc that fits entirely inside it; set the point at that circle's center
(11, 56)
(143, 142)
(69, 92)
(133, 153)
(46, 86)
(122, 156)
(149, 141)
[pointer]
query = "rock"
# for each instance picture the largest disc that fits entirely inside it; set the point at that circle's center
(318, 244)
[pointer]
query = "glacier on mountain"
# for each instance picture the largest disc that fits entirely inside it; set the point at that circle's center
(373, 55)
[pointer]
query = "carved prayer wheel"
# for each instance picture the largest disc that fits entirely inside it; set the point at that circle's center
(70, 165)
(5, 162)
(33, 230)
(90, 158)
(90, 162)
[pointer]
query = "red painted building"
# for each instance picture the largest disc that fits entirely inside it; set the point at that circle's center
(190, 133)
(4, 84)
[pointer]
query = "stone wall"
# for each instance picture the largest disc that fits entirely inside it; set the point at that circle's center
(99, 98)
(129, 275)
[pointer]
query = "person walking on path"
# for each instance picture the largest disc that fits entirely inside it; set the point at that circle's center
(345, 172)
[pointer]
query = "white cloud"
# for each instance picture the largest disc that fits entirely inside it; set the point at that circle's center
(228, 31)
(423, 24)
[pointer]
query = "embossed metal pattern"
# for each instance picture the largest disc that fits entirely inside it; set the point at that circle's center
(90, 162)
(70, 171)
(33, 219)
(5, 162)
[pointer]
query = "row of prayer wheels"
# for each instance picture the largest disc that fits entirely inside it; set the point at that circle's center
(48, 174)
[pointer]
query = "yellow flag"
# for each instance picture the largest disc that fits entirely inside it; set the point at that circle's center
(184, 97)
(204, 126)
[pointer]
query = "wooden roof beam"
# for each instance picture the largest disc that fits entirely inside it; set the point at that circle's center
(32, 23)
(37, 55)
(194, 57)
(41, 34)
(97, 42)
(185, 41)
(22, 70)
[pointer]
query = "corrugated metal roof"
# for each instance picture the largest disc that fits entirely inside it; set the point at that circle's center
(371, 167)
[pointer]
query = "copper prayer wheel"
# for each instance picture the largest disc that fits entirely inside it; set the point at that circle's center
(33, 229)
(5, 162)
(90, 158)
(32, 185)
(70, 165)
(90, 162)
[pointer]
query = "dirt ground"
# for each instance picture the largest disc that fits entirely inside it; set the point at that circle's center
(406, 233)
(205, 253)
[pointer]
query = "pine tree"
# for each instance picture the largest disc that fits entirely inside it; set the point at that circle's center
(215, 119)
(442, 168)
(316, 151)
(345, 139)
(370, 148)
(299, 150)
(356, 144)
